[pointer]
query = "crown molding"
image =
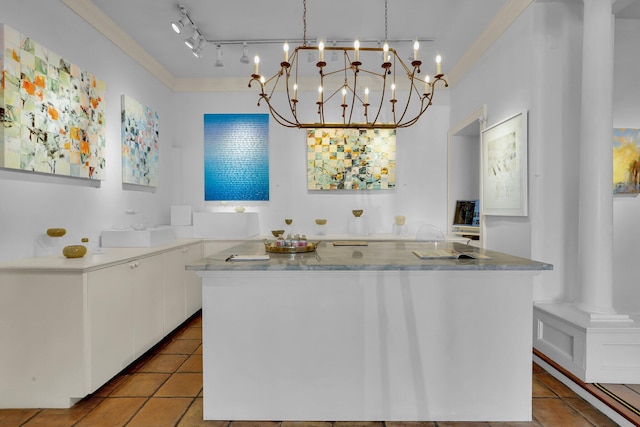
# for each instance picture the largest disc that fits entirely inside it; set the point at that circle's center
(498, 25)
(91, 13)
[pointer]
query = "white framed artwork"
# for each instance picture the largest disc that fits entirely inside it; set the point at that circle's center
(504, 167)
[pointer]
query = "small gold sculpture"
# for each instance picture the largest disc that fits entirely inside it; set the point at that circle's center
(277, 233)
(74, 251)
(357, 212)
(321, 221)
(56, 232)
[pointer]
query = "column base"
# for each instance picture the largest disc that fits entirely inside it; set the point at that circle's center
(593, 347)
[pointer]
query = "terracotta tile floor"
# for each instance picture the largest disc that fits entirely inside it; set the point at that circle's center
(164, 388)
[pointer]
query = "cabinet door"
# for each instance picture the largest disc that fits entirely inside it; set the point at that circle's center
(193, 283)
(174, 292)
(148, 300)
(110, 309)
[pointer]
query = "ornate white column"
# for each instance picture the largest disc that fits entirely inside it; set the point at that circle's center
(596, 163)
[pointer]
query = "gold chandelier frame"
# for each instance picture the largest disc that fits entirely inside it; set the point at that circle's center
(355, 110)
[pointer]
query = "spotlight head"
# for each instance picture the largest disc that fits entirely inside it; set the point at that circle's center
(245, 58)
(192, 41)
(177, 26)
(219, 63)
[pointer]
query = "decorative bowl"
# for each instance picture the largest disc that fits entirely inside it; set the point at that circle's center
(277, 233)
(74, 251)
(321, 221)
(274, 248)
(239, 209)
(357, 212)
(56, 232)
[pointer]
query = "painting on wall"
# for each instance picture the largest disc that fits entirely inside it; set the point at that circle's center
(626, 161)
(140, 143)
(52, 112)
(236, 157)
(504, 167)
(351, 159)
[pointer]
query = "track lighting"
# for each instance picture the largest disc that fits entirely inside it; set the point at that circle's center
(197, 51)
(245, 51)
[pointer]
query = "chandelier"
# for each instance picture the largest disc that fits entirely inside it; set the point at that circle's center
(344, 98)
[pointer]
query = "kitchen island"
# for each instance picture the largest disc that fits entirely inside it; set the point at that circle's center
(367, 331)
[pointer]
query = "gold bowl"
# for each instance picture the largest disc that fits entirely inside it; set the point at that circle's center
(357, 212)
(56, 232)
(277, 233)
(321, 221)
(74, 251)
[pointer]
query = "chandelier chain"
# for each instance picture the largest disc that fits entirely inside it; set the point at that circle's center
(385, 20)
(304, 22)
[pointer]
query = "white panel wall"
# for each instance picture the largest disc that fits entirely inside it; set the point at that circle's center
(420, 195)
(29, 203)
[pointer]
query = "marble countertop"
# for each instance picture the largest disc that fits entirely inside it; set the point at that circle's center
(376, 255)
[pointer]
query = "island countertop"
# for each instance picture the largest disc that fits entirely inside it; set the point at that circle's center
(365, 255)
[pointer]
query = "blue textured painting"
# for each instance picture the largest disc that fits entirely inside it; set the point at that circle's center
(236, 157)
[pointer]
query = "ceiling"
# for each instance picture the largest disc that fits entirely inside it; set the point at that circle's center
(456, 28)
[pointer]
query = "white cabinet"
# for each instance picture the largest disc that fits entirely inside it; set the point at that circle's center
(71, 325)
(192, 282)
(110, 316)
(182, 288)
(148, 303)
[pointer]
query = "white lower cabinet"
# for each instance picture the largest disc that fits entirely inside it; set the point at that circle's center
(73, 325)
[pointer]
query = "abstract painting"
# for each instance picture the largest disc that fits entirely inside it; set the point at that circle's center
(626, 161)
(351, 159)
(52, 112)
(140, 144)
(504, 167)
(236, 157)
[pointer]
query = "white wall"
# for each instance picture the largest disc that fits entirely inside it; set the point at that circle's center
(31, 203)
(626, 210)
(420, 194)
(535, 67)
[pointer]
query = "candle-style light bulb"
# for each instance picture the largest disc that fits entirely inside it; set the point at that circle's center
(427, 85)
(385, 48)
(321, 51)
(393, 91)
(286, 51)
(319, 93)
(356, 47)
(344, 95)
(366, 95)
(416, 46)
(438, 64)
(295, 91)
(256, 61)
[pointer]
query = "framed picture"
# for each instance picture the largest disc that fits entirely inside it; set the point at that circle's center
(626, 161)
(504, 167)
(351, 159)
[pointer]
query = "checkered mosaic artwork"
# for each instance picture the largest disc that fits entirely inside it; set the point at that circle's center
(351, 159)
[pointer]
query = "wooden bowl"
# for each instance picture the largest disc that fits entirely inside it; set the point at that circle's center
(277, 233)
(357, 212)
(321, 221)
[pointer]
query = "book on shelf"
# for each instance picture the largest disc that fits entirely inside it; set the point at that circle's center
(448, 253)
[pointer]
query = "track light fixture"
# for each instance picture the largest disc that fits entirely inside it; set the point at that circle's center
(192, 41)
(245, 51)
(179, 25)
(219, 63)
